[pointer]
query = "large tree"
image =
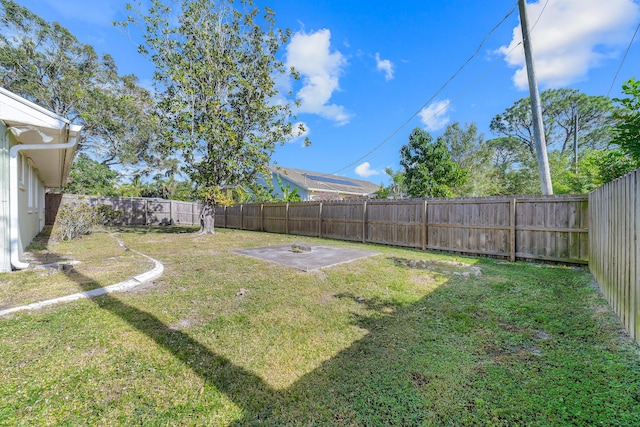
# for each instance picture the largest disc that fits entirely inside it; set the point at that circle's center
(469, 150)
(90, 177)
(560, 108)
(215, 68)
(514, 169)
(429, 169)
(45, 63)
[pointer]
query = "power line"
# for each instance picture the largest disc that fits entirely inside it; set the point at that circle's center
(384, 141)
(623, 59)
(539, 16)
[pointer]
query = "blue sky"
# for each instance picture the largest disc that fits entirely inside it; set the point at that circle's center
(372, 70)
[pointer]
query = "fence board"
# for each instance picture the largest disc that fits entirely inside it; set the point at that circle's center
(274, 216)
(342, 221)
(304, 219)
(614, 228)
(252, 217)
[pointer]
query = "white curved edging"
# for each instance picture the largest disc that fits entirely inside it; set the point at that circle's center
(138, 280)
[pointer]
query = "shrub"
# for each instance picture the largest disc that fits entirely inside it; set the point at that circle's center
(75, 219)
(106, 215)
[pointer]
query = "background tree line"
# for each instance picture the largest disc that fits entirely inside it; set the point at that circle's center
(591, 140)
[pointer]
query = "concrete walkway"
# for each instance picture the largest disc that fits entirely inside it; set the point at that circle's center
(138, 280)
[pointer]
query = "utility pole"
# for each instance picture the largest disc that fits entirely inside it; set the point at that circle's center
(575, 143)
(536, 109)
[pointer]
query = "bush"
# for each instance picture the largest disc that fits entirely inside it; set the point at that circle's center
(75, 219)
(106, 215)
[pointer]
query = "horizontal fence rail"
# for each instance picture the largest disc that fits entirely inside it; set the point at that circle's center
(613, 260)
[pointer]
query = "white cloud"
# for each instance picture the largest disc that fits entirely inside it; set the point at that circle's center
(320, 70)
(386, 66)
(570, 38)
(436, 115)
(299, 132)
(364, 170)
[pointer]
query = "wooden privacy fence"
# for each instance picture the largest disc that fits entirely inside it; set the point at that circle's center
(135, 210)
(550, 228)
(614, 212)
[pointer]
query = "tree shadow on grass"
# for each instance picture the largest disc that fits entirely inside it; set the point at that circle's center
(157, 229)
(372, 382)
(375, 381)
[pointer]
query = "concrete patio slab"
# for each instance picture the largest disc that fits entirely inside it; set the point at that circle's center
(318, 257)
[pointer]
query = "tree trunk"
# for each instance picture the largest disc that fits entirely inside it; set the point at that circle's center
(207, 218)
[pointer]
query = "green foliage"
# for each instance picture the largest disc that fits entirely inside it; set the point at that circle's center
(90, 177)
(429, 168)
(268, 193)
(627, 132)
(512, 169)
(215, 70)
(613, 164)
(560, 107)
(384, 192)
(168, 189)
(171, 190)
(396, 188)
(595, 168)
(213, 196)
(241, 195)
(106, 215)
(133, 189)
(45, 63)
(472, 154)
(74, 219)
(288, 194)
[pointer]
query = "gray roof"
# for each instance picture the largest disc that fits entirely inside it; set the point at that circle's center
(320, 182)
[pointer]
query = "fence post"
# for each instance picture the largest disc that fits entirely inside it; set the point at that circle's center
(286, 219)
(364, 222)
(146, 212)
(241, 216)
(261, 216)
(424, 226)
(320, 221)
(512, 229)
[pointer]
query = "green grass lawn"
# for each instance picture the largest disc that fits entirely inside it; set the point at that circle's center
(402, 338)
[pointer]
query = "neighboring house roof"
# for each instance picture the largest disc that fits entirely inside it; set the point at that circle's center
(318, 182)
(34, 125)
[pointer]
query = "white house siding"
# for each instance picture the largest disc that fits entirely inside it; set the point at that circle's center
(31, 209)
(31, 202)
(5, 232)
